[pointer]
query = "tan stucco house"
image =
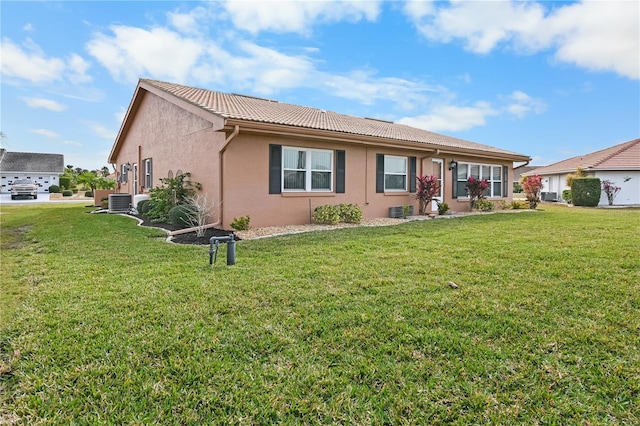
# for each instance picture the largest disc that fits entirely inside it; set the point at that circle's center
(276, 162)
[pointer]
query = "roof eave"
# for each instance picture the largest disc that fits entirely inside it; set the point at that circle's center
(247, 126)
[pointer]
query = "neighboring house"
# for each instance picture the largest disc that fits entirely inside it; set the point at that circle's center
(520, 171)
(619, 164)
(276, 162)
(44, 169)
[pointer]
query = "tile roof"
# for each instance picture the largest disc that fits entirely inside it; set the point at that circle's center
(625, 156)
(240, 107)
(31, 162)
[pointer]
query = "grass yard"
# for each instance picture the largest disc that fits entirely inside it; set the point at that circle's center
(105, 323)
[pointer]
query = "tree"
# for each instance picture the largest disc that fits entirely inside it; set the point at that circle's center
(88, 179)
(610, 188)
(428, 188)
(532, 186)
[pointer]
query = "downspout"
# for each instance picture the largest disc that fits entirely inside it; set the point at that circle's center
(236, 130)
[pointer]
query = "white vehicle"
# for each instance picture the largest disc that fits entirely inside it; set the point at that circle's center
(25, 187)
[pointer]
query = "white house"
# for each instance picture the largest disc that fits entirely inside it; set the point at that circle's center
(620, 164)
(44, 169)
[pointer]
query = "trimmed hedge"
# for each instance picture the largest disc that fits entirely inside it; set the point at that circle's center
(333, 214)
(143, 206)
(65, 182)
(54, 189)
(566, 195)
(67, 193)
(88, 194)
(585, 191)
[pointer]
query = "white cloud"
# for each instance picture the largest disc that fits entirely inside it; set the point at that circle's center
(297, 16)
(45, 132)
(521, 104)
(72, 143)
(29, 63)
(29, 28)
(45, 103)
(452, 118)
(101, 130)
(132, 52)
(600, 36)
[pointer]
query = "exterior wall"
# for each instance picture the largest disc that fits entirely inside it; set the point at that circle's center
(246, 186)
(45, 180)
(630, 190)
(176, 140)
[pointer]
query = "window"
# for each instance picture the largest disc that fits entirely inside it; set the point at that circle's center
(135, 178)
(492, 173)
(124, 173)
(148, 175)
(395, 173)
(307, 169)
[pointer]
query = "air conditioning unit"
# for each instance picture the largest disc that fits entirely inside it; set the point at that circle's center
(549, 196)
(398, 211)
(119, 203)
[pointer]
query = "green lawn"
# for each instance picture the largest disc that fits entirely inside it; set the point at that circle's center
(106, 323)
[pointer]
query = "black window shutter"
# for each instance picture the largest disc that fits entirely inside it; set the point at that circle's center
(340, 171)
(505, 181)
(379, 172)
(454, 179)
(412, 174)
(275, 169)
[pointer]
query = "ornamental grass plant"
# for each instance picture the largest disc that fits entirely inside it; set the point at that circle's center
(103, 322)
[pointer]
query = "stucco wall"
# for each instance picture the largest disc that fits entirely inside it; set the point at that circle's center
(246, 188)
(175, 140)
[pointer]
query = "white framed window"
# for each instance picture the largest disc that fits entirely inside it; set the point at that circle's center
(492, 173)
(135, 178)
(307, 170)
(148, 173)
(395, 173)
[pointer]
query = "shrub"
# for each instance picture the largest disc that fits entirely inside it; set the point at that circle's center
(578, 174)
(585, 191)
(65, 182)
(54, 189)
(443, 208)
(484, 205)
(328, 215)
(104, 203)
(350, 213)
(67, 193)
(180, 215)
(475, 189)
(143, 206)
(88, 194)
(566, 195)
(241, 223)
(519, 205)
(532, 186)
(428, 187)
(74, 189)
(610, 189)
(170, 192)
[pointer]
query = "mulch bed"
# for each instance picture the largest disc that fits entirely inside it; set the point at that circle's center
(190, 237)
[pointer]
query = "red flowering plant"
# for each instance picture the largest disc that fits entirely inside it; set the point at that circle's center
(532, 186)
(476, 189)
(428, 188)
(610, 189)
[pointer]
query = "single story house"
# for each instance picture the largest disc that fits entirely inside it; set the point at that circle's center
(276, 162)
(44, 169)
(619, 164)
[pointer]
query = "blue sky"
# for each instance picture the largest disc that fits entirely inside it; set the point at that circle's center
(547, 79)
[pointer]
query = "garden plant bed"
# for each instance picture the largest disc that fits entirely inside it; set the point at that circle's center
(188, 237)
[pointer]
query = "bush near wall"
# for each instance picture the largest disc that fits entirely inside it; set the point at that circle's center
(566, 195)
(585, 191)
(67, 193)
(65, 182)
(54, 189)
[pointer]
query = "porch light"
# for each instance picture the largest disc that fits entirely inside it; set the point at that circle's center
(453, 164)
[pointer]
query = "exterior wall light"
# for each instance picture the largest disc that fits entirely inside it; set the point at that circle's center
(453, 164)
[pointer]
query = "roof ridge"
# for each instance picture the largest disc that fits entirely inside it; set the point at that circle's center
(623, 147)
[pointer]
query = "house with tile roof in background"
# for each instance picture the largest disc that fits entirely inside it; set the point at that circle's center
(44, 169)
(619, 164)
(276, 162)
